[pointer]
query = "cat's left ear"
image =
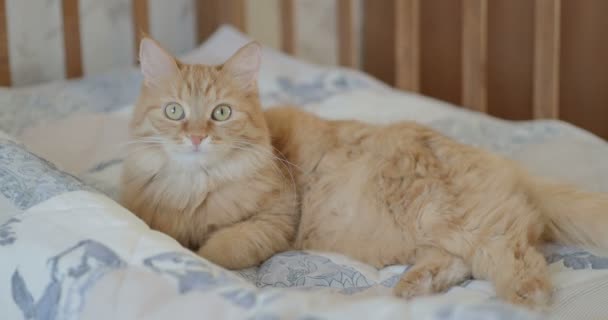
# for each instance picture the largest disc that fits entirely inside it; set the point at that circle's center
(157, 65)
(244, 65)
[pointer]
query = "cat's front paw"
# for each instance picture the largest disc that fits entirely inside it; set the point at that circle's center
(414, 283)
(228, 252)
(212, 254)
(218, 253)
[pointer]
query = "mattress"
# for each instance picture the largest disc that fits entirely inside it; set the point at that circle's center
(69, 251)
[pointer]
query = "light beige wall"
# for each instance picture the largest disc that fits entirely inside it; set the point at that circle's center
(36, 40)
(107, 35)
(35, 33)
(263, 21)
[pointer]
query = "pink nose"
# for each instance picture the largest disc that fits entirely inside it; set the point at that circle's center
(196, 140)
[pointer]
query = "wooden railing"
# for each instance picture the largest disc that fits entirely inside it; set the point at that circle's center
(390, 46)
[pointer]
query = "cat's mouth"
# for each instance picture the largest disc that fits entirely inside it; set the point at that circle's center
(194, 151)
(189, 154)
(190, 149)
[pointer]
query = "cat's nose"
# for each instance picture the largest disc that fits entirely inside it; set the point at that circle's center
(197, 139)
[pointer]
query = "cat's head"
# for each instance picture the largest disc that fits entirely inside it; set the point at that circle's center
(199, 114)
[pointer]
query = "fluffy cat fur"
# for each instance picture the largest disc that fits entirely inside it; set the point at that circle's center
(215, 186)
(405, 194)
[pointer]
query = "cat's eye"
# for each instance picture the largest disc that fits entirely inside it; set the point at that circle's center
(221, 112)
(174, 111)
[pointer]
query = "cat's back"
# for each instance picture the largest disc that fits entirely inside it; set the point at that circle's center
(373, 179)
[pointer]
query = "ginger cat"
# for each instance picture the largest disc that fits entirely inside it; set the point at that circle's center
(403, 193)
(200, 166)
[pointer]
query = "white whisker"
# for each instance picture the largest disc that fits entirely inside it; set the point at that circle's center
(282, 159)
(265, 154)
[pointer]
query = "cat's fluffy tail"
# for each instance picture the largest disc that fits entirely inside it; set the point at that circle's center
(572, 216)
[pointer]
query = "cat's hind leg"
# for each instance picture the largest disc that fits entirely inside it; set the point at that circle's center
(518, 271)
(434, 271)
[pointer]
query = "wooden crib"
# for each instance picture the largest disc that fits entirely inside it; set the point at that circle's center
(515, 59)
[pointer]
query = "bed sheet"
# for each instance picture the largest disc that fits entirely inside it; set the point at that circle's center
(70, 252)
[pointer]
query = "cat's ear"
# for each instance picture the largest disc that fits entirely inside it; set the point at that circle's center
(244, 65)
(156, 63)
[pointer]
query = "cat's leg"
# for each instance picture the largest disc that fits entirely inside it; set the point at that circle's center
(250, 242)
(434, 271)
(519, 272)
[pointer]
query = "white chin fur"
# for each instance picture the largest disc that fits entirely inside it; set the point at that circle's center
(186, 154)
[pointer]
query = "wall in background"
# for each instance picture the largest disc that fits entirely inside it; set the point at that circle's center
(36, 37)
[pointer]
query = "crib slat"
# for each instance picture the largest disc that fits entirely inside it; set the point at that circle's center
(407, 44)
(474, 54)
(210, 14)
(71, 38)
(206, 14)
(346, 36)
(233, 12)
(288, 41)
(141, 23)
(5, 68)
(546, 58)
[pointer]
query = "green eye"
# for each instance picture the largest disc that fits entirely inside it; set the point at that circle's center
(174, 111)
(221, 113)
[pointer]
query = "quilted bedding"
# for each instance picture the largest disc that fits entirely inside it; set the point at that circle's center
(68, 251)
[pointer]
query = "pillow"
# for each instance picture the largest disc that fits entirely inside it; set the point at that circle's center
(26, 180)
(27, 106)
(69, 252)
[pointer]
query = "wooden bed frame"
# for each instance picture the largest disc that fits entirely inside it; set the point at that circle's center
(509, 58)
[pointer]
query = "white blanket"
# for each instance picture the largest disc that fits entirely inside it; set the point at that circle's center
(70, 252)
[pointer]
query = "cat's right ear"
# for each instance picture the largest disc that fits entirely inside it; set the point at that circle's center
(156, 64)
